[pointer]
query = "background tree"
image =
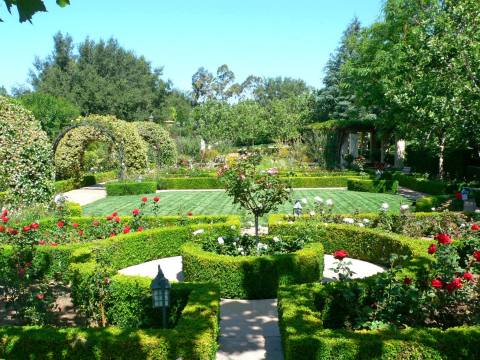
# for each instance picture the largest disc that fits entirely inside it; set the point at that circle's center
(279, 88)
(101, 78)
(53, 113)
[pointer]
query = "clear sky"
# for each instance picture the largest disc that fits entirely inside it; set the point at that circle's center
(260, 37)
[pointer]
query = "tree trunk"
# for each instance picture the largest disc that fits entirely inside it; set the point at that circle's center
(441, 158)
(256, 226)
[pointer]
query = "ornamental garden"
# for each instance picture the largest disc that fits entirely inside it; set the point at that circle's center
(140, 222)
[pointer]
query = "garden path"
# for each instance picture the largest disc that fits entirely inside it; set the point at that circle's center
(86, 195)
(248, 328)
(410, 194)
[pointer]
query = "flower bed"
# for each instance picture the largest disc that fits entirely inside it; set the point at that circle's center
(193, 337)
(252, 277)
(374, 186)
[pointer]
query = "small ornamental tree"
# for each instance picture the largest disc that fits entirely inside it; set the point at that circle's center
(259, 192)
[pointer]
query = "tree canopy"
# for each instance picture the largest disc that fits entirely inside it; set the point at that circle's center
(26, 9)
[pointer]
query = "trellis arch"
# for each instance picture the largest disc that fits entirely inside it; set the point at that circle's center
(159, 139)
(69, 146)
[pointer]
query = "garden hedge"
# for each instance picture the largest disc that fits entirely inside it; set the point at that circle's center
(215, 183)
(433, 187)
(252, 277)
(121, 188)
(373, 186)
(305, 338)
(62, 186)
(74, 208)
(193, 337)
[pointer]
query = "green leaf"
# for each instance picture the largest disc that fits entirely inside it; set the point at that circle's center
(63, 3)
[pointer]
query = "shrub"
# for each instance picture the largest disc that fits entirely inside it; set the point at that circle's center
(26, 169)
(193, 337)
(252, 277)
(427, 203)
(62, 186)
(304, 335)
(320, 181)
(189, 183)
(74, 209)
(130, 188)
(373, 186)
(3, 197)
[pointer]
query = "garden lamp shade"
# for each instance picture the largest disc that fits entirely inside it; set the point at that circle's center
(160, 290)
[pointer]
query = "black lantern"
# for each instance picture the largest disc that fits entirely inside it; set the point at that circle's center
(161, 294)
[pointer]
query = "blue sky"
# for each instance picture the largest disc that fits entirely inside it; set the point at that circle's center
(261, 37)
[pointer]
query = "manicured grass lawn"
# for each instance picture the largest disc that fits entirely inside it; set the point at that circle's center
(217, 202)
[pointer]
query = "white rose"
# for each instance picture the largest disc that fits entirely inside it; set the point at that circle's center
(433, 209)
(361, 224)
(385, 206)
(221, 241)
(318, 199)
(329, 202)
(198, 232)
(312, 213)
(404, 207)
(366, 221)
(349, 220)
(304, 200)
(276, 239)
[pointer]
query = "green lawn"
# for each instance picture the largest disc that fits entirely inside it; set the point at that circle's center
(217, 202)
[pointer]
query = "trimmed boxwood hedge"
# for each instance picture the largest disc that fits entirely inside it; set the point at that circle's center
(304, 337)
(426, 203)
(193, 337)
(62, 186)
(130, 188)
(252, 277)
(433, 187)
(373, 186)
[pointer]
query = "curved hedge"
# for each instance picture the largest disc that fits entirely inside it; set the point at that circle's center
(120, 188)
(373, 186)
(26, 167)
(71, 148)
(164, 147)
(252, 277)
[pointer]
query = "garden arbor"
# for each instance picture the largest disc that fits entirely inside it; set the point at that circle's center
(70, 145)
(331, 142)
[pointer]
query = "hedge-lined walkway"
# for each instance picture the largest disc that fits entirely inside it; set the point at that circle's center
(86, 195)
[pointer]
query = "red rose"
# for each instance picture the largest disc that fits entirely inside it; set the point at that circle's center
(476, 255)
(136, 212)
(34, 226)
(443, 239)
(340, 254)
(41, 242)
(468, 276)
(109, 218)
(156, 199)
(80, 232)
(112, 234)
(454, 284)
(12, 231)
(140, 229)
(75, 225)
(407, 281)
(4, 219)
(126, 229)
(437, 283)
(432, 249)
(189, 213)
(61, 224)
(53, 244)
(475, 227)
(458, 195)
(4, 213)
(21, 272)
(117, 219)
(114, 214)
(26, 228)
(40, 296)
(96, 223)
(144, 199)
(2, 228)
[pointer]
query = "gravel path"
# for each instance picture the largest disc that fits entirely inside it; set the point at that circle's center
(87, 194)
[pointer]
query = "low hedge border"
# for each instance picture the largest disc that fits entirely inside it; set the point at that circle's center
(62, 186)
(373, 186)
(193, 337)
(215, 183)
(427, 203)
(3, 196)
(121, 188)
(252, 277)
(432, 187)
(304, 337)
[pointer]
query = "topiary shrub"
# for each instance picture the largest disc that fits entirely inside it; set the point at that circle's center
(163, 146)
(25, 156)
(130, 188)
(71, 148)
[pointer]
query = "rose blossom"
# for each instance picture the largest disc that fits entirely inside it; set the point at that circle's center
(443, 239)
(156, 199)
(407, 281)
(340, 254)
(61, 224)
(454, 284)
(35, 226)
(26, 228)
(475, 227)
(468, 276)
(2, 228)
(437, 283)
(136, 212)
(126, 229)
(75, 225)
(476, 255)
(114, 214)
(432, 249)
(40, 296)
(41, 242)
(140, 229)
(117, 219)
(53, 244)
(189, 213)
(144, 199)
